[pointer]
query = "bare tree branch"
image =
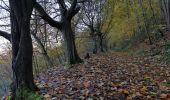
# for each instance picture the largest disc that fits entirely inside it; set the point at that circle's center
(46, 17)
(2, 7)
(62, 5)
(82, 1)
(5, 35)
(73, 6)
(73, 12)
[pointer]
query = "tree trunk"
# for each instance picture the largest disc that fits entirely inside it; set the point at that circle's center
(105, 45)
(153, 12)
(45, 54)
(101, 43)
(65, 27)
(168, 14)
(145, 21)
(23, 63)
(15, 46)
(21, 46)
(95, 45)
(69, 39)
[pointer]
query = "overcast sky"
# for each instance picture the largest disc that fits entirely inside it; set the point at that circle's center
(3, 45)
(6, 21)
(3, 41)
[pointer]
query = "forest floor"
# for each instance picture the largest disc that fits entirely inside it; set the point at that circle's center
(111, 76)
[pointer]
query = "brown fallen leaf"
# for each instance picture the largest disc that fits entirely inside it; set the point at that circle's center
(168, 95)
(143, 90)
(129, 98)
(125, 91)
(149, 97)
(163, 96)
(45, 85)
(47, 97)
(86, 84)
(107, 76)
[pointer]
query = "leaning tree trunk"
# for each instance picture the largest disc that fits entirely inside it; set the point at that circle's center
(70, 45)
(45, 54)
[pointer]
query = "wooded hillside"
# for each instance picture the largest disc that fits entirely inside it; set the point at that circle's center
(50, 44)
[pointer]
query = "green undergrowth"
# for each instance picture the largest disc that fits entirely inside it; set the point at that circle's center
(26, 94)
(166, 53)
(161, 53)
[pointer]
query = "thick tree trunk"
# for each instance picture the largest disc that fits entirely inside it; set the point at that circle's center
(70, 46)
(23, 63)
(15, 46)
(21, 46)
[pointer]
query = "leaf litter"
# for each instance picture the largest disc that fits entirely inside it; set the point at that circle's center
(111, 76)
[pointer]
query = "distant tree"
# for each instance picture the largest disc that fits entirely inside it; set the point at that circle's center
(40, 37)
(146, 24)
(64, 26)
(97, 16)
(165, 6)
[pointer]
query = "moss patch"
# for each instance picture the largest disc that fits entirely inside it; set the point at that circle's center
(26, 94)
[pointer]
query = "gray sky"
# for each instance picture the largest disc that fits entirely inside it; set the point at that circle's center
(6, 21)
(3, 45)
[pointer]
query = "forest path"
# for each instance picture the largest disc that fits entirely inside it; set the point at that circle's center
(112, 76)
